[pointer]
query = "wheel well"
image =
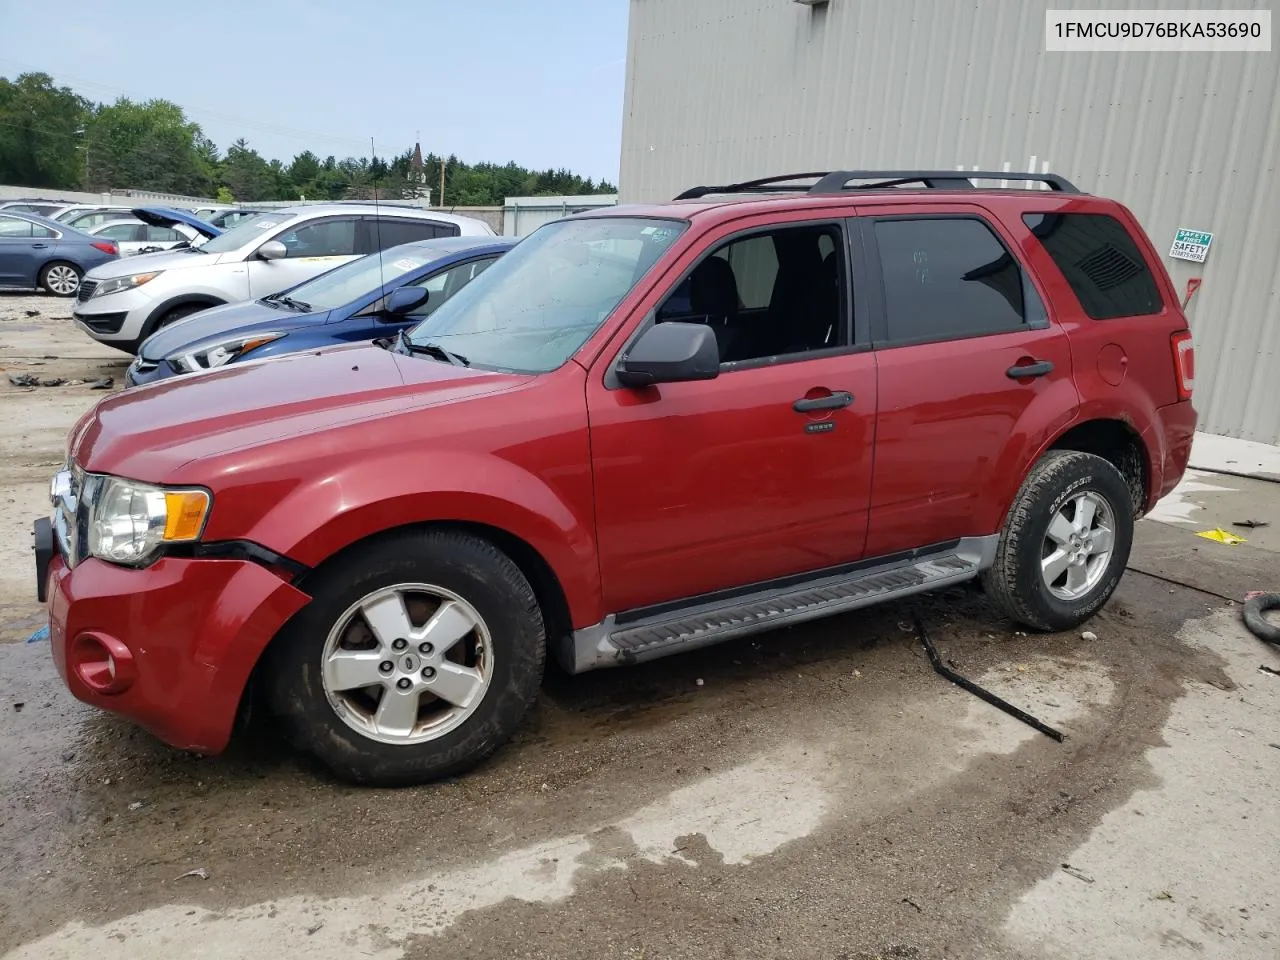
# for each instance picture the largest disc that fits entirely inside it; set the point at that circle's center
(1119, 443)
(545, 584)
(546, 589)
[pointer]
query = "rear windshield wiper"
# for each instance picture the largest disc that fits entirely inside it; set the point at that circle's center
(432, 350)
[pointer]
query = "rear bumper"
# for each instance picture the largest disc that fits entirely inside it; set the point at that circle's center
(1176, 429)
(184, 637)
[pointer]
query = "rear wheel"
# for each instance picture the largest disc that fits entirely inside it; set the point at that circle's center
(60, 278)
(418, 657)
(1065, 542)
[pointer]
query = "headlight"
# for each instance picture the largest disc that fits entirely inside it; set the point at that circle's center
(129, 522)
(123, 283)
(219, 354)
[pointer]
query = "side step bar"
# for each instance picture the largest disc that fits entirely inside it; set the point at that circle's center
(704, 622)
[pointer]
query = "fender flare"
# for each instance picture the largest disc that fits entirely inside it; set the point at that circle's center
(336, 505)
(181, 300)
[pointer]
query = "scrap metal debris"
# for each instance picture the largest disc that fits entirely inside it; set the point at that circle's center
(23, 380)
(1251, 524)
(945, 671)
(106, 383)
(1078, 874)
(200, 872)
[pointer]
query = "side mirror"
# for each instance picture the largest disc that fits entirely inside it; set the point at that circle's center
(671, 353)
(404, 300)
(273, 250)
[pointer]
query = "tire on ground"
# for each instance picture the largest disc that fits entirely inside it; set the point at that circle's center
(1015, 582)
(470, 567)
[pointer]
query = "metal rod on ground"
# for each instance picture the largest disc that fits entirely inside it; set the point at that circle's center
(943, 670)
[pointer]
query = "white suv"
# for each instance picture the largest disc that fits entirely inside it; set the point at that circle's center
(123, 302)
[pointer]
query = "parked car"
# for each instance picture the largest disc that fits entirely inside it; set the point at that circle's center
(134, 236)
(872, 390)
(121, 305)
(86, 219)
(39, 253)
(354, 302)
(41, 208)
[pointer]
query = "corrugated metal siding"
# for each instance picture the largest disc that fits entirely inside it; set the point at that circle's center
(719, 90)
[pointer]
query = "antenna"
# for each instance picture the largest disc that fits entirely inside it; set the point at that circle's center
(377, 223)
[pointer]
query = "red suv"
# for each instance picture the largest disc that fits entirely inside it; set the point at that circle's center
(646, 429)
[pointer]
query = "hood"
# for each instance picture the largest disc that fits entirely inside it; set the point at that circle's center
(167, 217)
(185, 257)
(210, 326)
(149, 432)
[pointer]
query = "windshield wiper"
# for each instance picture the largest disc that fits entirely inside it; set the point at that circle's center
(432, 350)
(300, 305)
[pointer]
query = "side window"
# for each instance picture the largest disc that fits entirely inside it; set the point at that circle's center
(328, 238)
(1100, 261)
(163, 235)
(392, 233)
(769, 294)
(120, 232)
(38, 230)
(948, 278)
(445, 284)
(14, 227)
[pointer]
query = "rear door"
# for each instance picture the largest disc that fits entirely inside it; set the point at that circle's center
(968, 359)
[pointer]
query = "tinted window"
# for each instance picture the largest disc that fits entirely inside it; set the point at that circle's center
(1101, 262)
(947, 278)
(163, 235)
(328, 238)
(392, 233)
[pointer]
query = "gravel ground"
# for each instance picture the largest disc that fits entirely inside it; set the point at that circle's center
(816, 792)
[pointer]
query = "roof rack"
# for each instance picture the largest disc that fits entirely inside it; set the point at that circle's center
(837, 181)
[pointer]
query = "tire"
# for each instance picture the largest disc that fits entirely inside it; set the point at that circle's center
(60, 278)
(1258, 625)
(1038, 578)
(177, 313)
(337, 718)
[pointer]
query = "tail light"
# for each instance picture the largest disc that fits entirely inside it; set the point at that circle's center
(106, 246)
(1184, 362)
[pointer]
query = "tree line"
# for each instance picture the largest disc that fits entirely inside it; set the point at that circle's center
(53, 138)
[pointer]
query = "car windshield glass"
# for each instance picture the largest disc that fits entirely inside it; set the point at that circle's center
(245, 232)
(343, 284)
(533, 309)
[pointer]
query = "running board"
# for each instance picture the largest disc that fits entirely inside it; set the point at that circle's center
(704, 622)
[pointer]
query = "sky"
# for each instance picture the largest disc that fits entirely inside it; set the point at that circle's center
(539, 82)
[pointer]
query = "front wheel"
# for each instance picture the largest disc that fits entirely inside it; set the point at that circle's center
(1065, 542)
(418, 657)
(61, 279)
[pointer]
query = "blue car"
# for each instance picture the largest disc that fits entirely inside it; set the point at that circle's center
(40, 253)
(376, 296)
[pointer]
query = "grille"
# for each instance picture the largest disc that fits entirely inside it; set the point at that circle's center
(86, 290)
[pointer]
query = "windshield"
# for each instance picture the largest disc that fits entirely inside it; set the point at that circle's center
(245, 232)
(533, 309)
(343, 284)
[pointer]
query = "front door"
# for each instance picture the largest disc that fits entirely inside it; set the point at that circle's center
(762, 472)
(312, 248)
(23, 246)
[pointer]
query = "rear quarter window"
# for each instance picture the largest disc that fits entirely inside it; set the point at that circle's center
(1104, 267)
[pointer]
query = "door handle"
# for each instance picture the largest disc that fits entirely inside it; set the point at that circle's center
(38, 246)
(833, 401)
(1038, 369)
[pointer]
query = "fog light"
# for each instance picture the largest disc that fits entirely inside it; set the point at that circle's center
(103, 663)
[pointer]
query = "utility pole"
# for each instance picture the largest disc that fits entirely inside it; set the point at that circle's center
(440, 202)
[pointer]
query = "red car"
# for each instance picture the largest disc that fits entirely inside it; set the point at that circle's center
(646, 429)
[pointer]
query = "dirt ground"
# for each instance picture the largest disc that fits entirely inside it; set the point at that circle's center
(817, 792)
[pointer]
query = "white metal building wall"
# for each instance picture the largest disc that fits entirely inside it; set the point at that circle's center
(720, 90)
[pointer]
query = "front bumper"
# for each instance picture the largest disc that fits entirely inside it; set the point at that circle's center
(184, 635)
(141, 372)
(116, 317)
